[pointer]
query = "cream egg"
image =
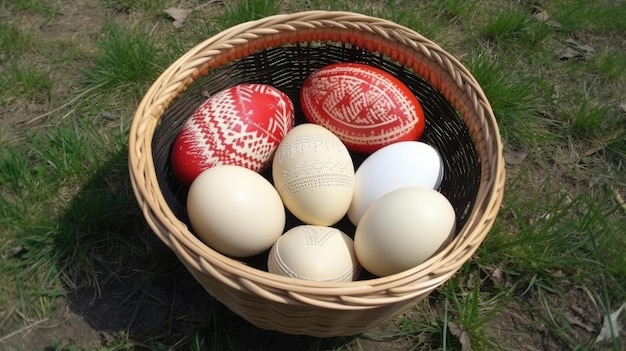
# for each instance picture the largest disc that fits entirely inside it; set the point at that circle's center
(315, 253)
(403, 229)
(407, 163)
(235, 210)
(314, 175)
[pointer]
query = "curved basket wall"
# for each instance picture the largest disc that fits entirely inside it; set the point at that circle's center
(282, 50)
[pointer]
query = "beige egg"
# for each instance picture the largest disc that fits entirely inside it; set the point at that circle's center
(315, 253)
(313, 173)
(235, 211)
(402, 229)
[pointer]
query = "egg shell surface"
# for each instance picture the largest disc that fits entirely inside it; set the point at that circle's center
(366, 107)
(407, 163)
(403, 229)
(314, 175)
(235, 210)
(315, 253)
(241, 125)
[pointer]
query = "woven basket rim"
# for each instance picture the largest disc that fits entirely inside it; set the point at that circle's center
(220, 49)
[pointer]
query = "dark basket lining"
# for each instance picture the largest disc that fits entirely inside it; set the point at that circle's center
(286, 68)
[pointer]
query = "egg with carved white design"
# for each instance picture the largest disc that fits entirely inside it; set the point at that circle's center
(366, 107)
(240, 126)
(315, 253)
(313, 173)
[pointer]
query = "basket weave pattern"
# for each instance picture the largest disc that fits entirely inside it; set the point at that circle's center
(284, 304)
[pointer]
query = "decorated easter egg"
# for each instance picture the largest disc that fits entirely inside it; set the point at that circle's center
(313, 172)
(366, 107)
(314, 253)
(240, 126)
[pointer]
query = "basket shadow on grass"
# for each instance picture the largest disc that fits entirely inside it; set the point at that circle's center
(131, 282)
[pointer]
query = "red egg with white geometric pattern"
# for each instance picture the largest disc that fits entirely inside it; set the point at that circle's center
(240, 126)
(366, 107)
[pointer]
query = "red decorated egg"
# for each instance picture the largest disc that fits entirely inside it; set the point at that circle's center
(240, 126)
(366, 107)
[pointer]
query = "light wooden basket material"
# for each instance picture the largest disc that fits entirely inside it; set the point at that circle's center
(311, 308)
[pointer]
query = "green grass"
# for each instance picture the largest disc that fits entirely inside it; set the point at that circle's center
(38, 184)
(515, 102)
(596, 16)
(127, 62)
(22, 83)
(72, 232)
(507, 24)
(47, 8)
(146, 7)
(247, 10)
(12, 38)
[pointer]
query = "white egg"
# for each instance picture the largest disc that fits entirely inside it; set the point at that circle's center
(407, 163)
(314, 175)
(235, 210)
(402, 229)
(315, 253)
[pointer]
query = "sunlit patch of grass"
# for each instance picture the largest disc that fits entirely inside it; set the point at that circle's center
(456, 8)
(36, 6)
(555, 236)
(515, 102)
(247, 10)
(551, 242)
(13, 39)
(68, 50)
(128, 62)
(600, 16)
(23, 83)
(610, 65)
(471, 309)
(589, 120)
(145, 7)
(506, 25)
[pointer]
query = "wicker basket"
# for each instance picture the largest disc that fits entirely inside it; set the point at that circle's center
(282, 50)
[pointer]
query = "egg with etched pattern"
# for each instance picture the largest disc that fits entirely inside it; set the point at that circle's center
(313, 172)
(366, 107)
(241, 125)
(314, 253)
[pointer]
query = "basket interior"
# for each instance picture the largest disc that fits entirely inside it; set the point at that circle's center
(286, 68)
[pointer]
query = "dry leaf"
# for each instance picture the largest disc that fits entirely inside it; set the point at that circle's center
(570, 53)
(612, 320)
(541, 16)
(623, 106)
(554, 24)
(461, 334)
(577, 322)
(498, 274)
(178, 15)
(579, 46)
(515, 157)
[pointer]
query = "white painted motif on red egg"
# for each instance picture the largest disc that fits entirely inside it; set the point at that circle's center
(240, 126)
(364, 107)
